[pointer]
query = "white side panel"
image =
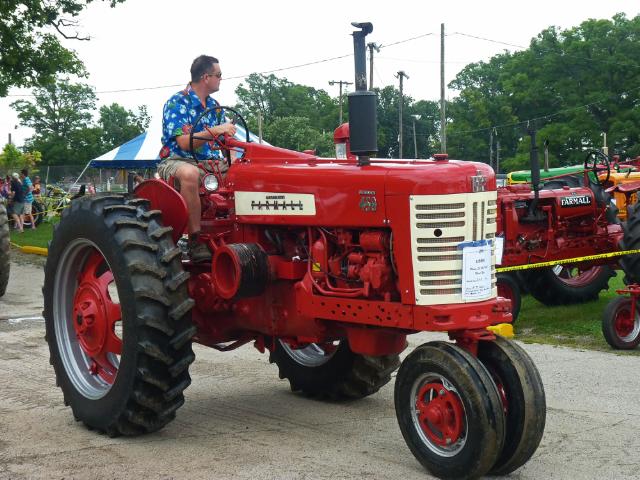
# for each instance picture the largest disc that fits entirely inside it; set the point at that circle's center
(274, 203)
(439, 223)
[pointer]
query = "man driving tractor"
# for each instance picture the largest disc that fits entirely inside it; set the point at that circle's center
(178, 159)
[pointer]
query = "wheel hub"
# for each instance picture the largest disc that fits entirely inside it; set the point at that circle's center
(94, 317)
(440, 413)
(91, 318)
(624, 324)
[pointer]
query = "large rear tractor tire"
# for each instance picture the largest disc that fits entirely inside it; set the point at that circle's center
(118, 315)
(332, 370)
(523, 400)
(449, 411)
(5, 264)
(631, 241)
(567, 284)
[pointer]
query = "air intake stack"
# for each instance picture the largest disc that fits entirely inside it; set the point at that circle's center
(362, 103)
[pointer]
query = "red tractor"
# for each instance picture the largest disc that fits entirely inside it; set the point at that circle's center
(566, 217)
(569, 216)
(327, 263)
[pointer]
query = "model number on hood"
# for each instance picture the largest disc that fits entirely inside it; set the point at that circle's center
(575, 201)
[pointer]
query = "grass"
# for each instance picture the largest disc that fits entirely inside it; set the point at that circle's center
(35, 238)
(573, 325)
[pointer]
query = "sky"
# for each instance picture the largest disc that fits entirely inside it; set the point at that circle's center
(149, 45)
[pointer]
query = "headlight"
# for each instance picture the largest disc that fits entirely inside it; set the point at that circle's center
(210, 183)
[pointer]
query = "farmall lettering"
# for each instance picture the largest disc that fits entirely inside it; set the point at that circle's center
(368, 202)
(276, 202)
(575, 201)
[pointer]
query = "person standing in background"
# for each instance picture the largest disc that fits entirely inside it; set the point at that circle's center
(27, 189)
(17, 197)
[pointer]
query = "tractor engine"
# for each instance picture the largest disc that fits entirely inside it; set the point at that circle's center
(359, 261)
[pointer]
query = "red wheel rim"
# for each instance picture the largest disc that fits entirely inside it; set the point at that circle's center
(95, 316)
(575, 276)
(623, 324)
(440, 414)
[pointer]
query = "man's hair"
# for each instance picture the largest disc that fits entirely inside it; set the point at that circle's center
(202, 65)
(25, 172)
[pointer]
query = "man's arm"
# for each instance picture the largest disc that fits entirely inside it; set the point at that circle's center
(222, 129)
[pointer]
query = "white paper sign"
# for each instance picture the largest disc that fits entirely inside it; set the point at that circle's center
(499, 250)
(476, 272)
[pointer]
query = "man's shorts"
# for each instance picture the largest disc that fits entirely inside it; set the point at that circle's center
(18, 208)
(169, 166)
(26, 208)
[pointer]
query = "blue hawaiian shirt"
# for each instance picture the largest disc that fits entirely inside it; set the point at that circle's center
(179, 115)
(28, 194)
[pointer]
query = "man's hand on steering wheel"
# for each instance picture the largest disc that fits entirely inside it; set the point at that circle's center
(220, 132)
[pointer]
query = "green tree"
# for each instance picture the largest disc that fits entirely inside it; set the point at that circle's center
(277, 98)
(12, 159)
(573, 85)
(30, 50)
(62, 116)
(120, 125)
(296, 133)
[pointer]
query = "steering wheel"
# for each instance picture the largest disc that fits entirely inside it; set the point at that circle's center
(220, 139)
(598, 162)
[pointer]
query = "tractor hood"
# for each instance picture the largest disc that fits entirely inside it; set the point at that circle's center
(339, 192)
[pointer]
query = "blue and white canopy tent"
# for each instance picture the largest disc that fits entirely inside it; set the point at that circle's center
(143, 151)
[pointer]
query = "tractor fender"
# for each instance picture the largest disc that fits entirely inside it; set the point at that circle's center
(169, 201)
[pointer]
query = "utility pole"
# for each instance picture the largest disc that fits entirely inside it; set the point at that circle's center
(401, 75)
(498, 156)
(443, 117)
(10, 139)
(415, 142)
(491, 148)
(372, 46)
(340, 82)
(259, 126)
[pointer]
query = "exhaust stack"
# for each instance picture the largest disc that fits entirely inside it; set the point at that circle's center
(362, 103)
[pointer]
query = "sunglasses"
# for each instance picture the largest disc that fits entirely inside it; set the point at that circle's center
(219, 74)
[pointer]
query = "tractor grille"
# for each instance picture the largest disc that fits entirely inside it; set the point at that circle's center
(438, 224)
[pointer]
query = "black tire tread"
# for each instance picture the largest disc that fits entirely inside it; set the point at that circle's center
(631, 241)
(357, 377)
(545, 286)
(517, 451)
(163, 349)
(608, 325)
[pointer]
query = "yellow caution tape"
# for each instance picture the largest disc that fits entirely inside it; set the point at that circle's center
(567, 260)
(36, 250)
(31, 249)
(502, 329)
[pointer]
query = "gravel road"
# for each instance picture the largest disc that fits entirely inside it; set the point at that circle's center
(240, 421)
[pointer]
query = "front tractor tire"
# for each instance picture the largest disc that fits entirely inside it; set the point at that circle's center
(117, 315)
(567, 284)
(523, 401)
(331, 370)
(508, 288)
(449, 411)
(621, 330)
(5, 264)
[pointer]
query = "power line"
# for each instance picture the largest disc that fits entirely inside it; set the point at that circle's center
(281, 69)
(545, 117)
(561, 54)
